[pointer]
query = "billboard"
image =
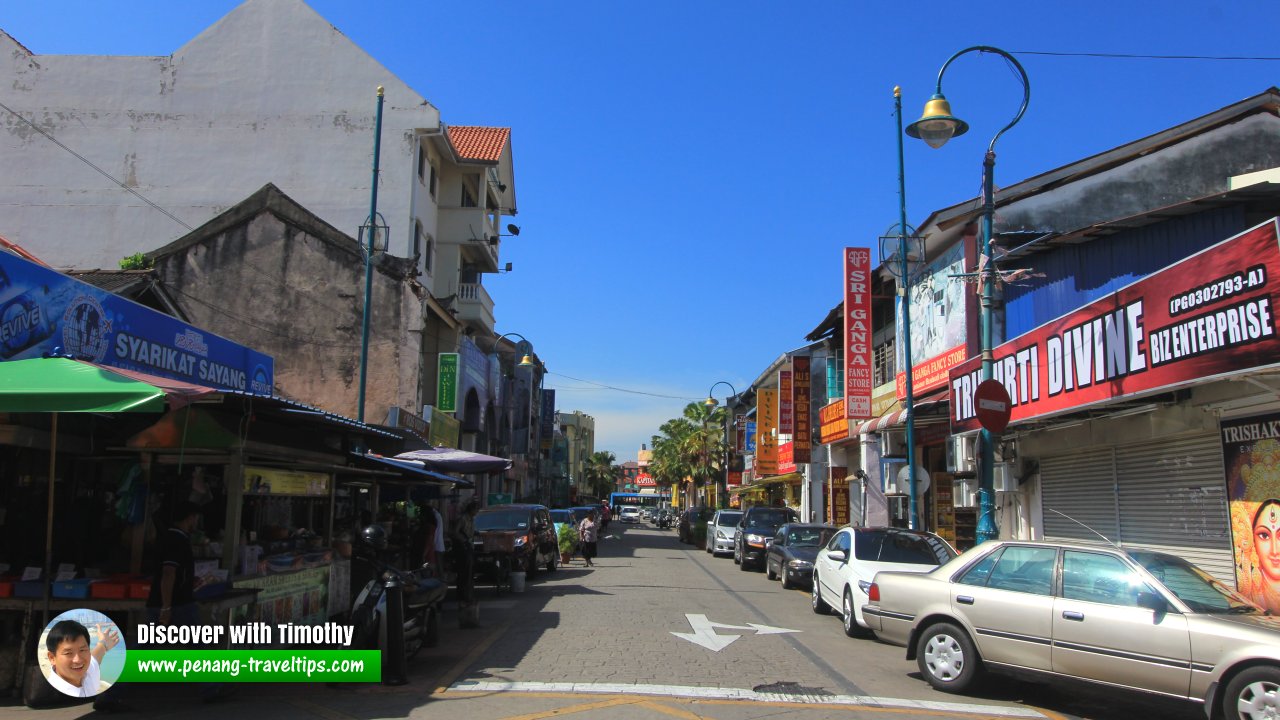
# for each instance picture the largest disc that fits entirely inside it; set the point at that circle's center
(800, 384)
(857, 332)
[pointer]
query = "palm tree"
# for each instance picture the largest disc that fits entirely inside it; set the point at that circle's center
(691, 447)
(602, 473)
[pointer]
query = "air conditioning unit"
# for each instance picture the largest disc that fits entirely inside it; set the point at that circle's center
(1002, 479)
(893, 443)
(964, 492)
(962, 453)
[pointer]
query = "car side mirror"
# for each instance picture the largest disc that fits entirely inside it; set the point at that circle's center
(838, 555)
(1154, 602)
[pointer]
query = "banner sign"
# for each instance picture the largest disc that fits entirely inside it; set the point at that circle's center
(803, 437)
(42, 310)
(749, 446)
(931, 374)
(786, 418)
(838, 496)
(733, 479)
(1249, 447)
(786, 458)
(645, 480)
(857, 332)
(401, 418)
(766, 424)
(275, 481)
(447, 383)
(548, 415)
(446, 430)
(833, 423)
(1207, 316)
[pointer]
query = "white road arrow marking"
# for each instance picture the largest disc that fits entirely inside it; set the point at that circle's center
(704, 632)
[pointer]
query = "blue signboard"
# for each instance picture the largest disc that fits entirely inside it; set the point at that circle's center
(42, 310)
(751, 438)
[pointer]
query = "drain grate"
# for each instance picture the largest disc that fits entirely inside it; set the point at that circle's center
(791, 688)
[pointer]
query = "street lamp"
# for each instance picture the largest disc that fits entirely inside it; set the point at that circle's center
(526, 361)
(373, 227)
(936, 126)
(722, 483)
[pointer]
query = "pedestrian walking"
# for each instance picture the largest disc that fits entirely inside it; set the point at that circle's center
(588, 533)
(464, 532)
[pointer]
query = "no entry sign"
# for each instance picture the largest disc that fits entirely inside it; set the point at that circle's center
(992, 404)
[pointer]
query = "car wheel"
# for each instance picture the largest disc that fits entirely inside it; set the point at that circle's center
(744, 565)
(786, 579)
(1253, 694)
(947, 658)
(768, 571)
(815, 599)
(551, 564)
(851, 626)
(737, 559)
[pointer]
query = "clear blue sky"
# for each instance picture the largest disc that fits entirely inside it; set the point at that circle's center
(688, 171)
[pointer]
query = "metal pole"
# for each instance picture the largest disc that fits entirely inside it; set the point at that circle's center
(987, 529)
(368, 258)
(904, 304)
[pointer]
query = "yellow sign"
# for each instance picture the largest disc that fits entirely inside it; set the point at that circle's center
(274, 481)
(766, 425)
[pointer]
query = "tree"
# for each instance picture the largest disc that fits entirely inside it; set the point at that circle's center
(602, 473)
(690, 447)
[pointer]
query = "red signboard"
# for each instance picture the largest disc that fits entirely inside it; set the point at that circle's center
(733, 479)
(1204, 317)
(802, 439)
(786, 458)
(930, 374)
(991, 403)
(838, 496)
(786, 420)
(857, 332)
(645, 480)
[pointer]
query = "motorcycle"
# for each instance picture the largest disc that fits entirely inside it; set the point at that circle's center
(423, 596)
(664, 519)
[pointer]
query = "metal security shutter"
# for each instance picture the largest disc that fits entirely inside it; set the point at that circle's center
(1173, 498)
(1081, 485)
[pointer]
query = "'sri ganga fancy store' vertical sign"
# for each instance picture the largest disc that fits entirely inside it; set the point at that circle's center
(857, 332)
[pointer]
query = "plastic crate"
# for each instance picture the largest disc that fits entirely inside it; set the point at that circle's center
(72, 589)
(139, 589)
(6, 588)
(28, 589)
(109, 590)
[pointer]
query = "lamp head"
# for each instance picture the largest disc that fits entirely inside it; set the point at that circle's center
(710, 402)
(526, 361)
(937, 125)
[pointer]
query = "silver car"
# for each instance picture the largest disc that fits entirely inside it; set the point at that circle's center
(1119, 616)
(720, 531)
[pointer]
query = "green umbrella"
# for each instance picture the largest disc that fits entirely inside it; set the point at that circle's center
(57, 385)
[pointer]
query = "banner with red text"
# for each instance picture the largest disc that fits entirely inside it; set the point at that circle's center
(786, 418)
(766, 432)
(803, 436)
(1204, 317)
(857, 333)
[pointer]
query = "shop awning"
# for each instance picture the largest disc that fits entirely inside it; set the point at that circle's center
(899, 416)
(410, 470)
(42, 385)
(764, 482)
(443, 459)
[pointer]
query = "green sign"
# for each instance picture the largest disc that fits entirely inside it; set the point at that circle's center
(500, 498)
(313, 665)
(447, 383)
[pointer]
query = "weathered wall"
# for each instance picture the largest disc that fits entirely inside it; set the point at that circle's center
(272, 276)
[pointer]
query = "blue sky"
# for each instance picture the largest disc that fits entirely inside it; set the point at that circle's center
(688, 171)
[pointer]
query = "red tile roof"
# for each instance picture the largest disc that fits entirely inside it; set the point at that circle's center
(479, 143)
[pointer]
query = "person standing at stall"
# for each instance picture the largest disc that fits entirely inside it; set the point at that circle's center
(464, 533)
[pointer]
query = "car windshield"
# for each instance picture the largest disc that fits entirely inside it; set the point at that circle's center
(503, 520)
(1193, 586)
(899, 547)
(561, 516)
(809, 537)
(768, 518)
(728, 518)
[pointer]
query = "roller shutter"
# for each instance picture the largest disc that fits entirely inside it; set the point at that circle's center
(1080, 485)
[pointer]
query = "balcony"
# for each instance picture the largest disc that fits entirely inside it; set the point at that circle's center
(470, 228)
(475, 305)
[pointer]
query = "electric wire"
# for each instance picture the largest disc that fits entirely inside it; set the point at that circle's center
(1134, 56)
(603, 386)
(88, 162)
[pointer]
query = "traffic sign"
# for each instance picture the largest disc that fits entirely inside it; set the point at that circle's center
(992, 404)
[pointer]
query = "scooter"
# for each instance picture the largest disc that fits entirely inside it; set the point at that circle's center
(423, 596)
(664, 519)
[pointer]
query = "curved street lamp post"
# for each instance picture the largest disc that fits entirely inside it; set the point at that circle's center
(936, 126)
(525, 362)
(722, 483)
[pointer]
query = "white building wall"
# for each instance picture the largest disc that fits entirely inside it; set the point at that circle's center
(270, 93)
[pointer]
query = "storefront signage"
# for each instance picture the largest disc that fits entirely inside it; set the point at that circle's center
(786, 416)
(300, 597)
(548, 425)
(1249, 449)
(857, 332)
(401, 418)
(645, 480)
(833, 423)
(447, 383)
(838, 496)
(446, 430)
(803, 437)
(42, 310)
(786, 457)
(749, 444)
(733, 478)
(766, 425)
(931, 374)
(1207, 316)
(275, 481)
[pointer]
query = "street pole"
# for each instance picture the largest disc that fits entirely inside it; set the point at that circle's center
(936, 126)
(904, 305)
(722, 482)
(368, 258)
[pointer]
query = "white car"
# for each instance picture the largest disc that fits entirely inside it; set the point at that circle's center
(629, 514)
(720, 531)
(846, 566)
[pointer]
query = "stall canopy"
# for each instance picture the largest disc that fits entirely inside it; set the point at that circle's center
(411, 470)
(458, 461)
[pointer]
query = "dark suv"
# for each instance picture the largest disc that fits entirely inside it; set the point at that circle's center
(526, 529)
(687, 528)
(755, 531)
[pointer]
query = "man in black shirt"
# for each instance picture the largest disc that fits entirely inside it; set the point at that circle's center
(172, 587)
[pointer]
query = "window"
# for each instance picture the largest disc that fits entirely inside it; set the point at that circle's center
(468, 195)
(1094, 577)
(981, 572)
(422, 162)
(1024, 569)
(898, 547)
(431, 185)
(884, 362)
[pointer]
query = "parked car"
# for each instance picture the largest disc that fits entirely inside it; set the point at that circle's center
(646, 513)
(793, 550)
(629, 514)
(755, 531)
(562, 517)
(581, 512)
(720, 531)
(534, 542)
(1125, 617)
(687, 528)
(845, 567)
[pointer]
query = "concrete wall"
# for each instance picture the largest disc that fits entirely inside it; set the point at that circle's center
(272, 276)
(270, 93)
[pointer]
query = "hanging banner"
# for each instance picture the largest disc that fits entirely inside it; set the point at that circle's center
(802, 439)
(857, 333)
(786, 420)
(1205, 317)
(548, 427)
(43, 311)
(931, 374)
(766, 426)
(838, 497)
(1249, 450)
(786, 458)
(447, 383)
(833, 423)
